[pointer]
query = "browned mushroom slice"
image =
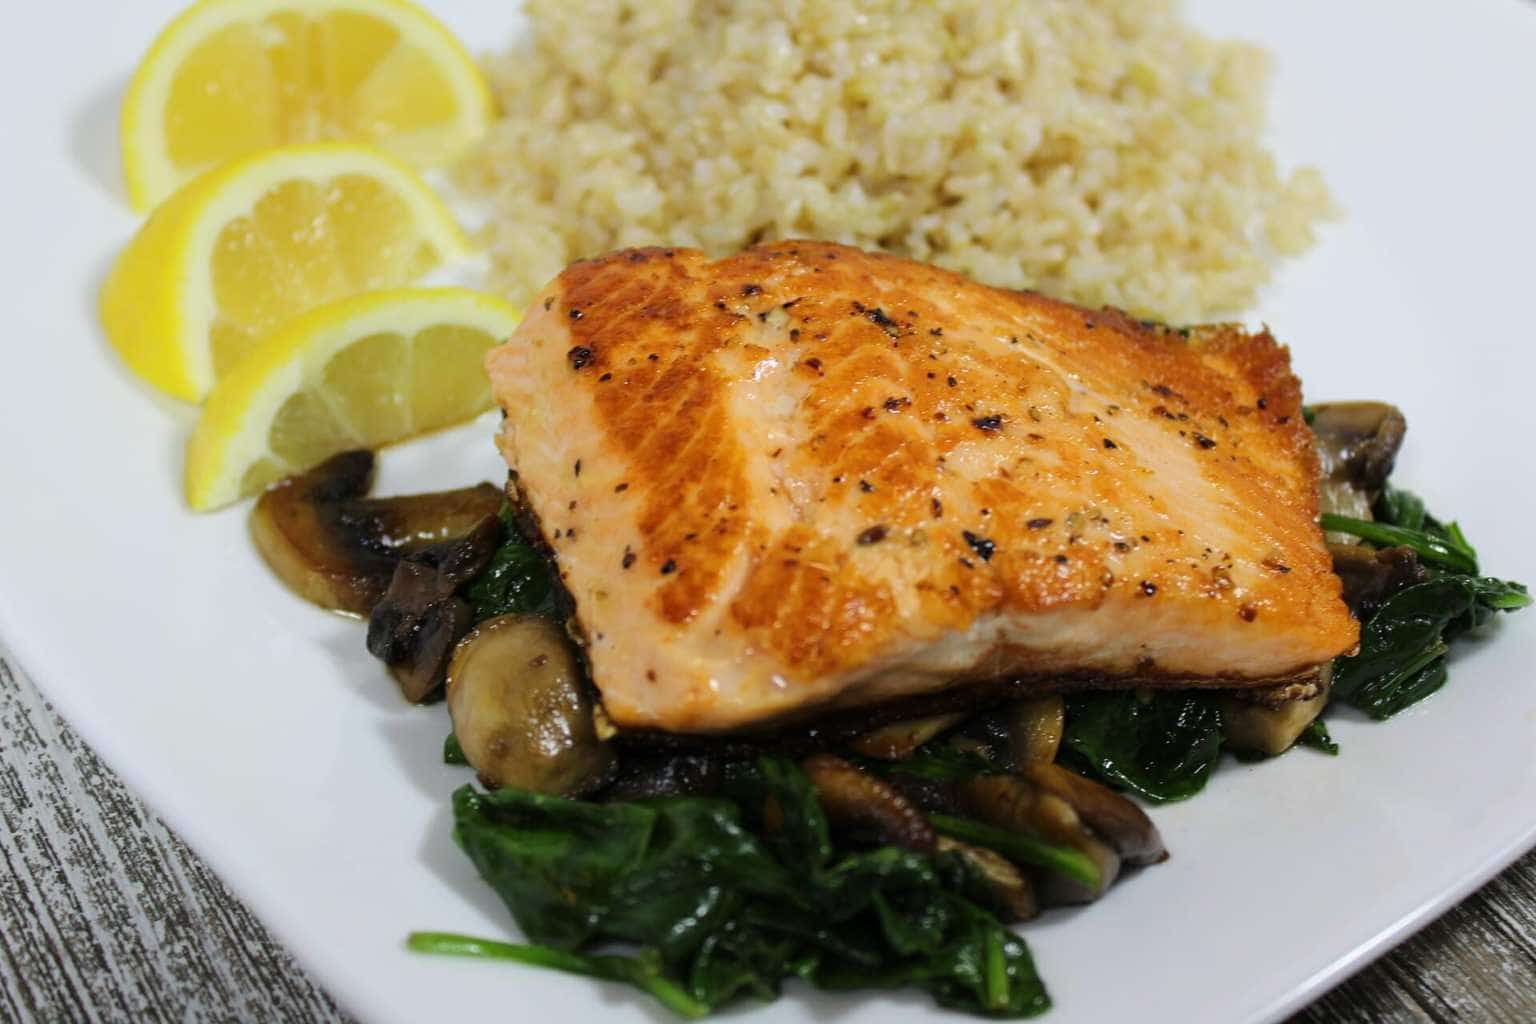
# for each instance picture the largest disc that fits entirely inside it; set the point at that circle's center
(1111, 816)
(1035, 728)
(1357, 444)
(1012, 802)
(520, 711)
(1371, 575)
(900, 740)
(337, 548)
(1014, 893)
(414, 626)
(853, 798)
(1268, 730)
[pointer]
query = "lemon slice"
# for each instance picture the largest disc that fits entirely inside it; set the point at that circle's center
(244, 248)
(358, 373)
(232, 77)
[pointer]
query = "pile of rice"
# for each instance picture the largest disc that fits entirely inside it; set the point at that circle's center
(1098, 150)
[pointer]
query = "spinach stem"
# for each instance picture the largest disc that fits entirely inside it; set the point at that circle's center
(996, 972)
(1019, 847)
(1451, 551)
(612, 968)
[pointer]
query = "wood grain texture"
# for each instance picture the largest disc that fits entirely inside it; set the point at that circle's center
(106, 916)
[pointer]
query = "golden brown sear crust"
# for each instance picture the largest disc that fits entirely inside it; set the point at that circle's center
(808, 475)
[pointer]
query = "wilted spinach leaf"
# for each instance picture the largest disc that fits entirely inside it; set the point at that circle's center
(452, 752)
(518, 579)
(717, 910)
(1160, 746)
(1403, 644)
(1315, 735)
(1400, 508)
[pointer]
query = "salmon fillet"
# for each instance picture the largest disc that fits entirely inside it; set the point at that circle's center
(808, 477)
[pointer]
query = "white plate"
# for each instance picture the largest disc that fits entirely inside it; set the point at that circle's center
(266, 736)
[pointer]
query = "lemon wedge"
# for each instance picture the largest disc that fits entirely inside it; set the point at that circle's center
(242, 249)
(231, 77)
(359, 373)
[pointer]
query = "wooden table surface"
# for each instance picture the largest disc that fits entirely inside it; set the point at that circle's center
(105, 915)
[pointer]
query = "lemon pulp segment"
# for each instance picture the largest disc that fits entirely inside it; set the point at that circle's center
(232, 77)
(363, 372)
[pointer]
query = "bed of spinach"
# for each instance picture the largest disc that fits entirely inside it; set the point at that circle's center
(725, 897)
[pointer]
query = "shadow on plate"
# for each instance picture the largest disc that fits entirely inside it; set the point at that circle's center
(93, 139)
(359, 671)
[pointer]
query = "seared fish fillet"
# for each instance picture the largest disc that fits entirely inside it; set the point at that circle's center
(808, 476)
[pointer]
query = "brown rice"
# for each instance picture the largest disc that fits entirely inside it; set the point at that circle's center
(1101, 150)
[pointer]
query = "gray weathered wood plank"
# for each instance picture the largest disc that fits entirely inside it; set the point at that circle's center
(106, 916)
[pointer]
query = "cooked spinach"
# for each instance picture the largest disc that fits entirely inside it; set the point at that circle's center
(1436, 547)
(643, 972)
(1160, 746)
(1403, 645)
(1400, 508)
(1315, 735)
(1404, 642)
(1020, 848)
(728, 897)
(518, 578)
(452, 752)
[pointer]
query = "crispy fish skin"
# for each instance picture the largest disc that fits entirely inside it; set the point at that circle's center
(807, 476)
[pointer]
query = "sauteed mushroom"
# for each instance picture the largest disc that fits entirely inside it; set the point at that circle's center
(1035, 728)
(1011, 802)
(1015, 895)
(855, 799)
(414, 626)
(1371, 575)
(1357, 444)
(1115, 819)
(1268, 730)
(900, 740)
(337, 548)
(520, 711)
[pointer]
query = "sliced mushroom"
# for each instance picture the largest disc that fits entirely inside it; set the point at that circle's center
(1357, 444)
(1371, 575)
(1012, 802)
(900, 740)
(520, 711)
(414, 627)
(1035, 728)
(1268, 730)
(1111, 816)
(1014, 893)
(337, 548)
(853, 798)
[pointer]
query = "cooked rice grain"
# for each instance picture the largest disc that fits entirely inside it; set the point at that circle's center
(1100, 150)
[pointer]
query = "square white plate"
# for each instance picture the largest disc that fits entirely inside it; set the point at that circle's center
(269, 739)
